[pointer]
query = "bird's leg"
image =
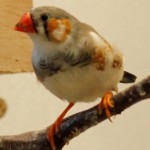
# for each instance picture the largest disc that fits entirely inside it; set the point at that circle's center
(106, 104)
(55, 126)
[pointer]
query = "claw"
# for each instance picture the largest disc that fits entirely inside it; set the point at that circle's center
(106, 104)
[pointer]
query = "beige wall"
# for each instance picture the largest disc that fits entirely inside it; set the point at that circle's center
(123, 22)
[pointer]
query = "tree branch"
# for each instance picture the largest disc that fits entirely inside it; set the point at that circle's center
(77, 123)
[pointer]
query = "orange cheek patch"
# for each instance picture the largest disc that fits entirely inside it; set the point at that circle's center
(67, 24)
(60, 26)
(53, 24)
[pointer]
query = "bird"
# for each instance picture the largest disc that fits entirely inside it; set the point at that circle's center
(72, 60)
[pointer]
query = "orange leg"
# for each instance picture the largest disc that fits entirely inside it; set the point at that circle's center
(55, 126)
(106, 103)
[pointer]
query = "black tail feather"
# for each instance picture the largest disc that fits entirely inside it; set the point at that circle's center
(128, 78)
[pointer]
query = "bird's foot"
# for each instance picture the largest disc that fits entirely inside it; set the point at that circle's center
(51, 132)
(54, 128)
(106, 104)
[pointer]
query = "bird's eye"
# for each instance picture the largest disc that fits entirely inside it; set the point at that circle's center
(44, 17)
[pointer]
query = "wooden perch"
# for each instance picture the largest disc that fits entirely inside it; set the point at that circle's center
(77, 123)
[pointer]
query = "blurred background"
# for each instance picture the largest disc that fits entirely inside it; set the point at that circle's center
(124, 23)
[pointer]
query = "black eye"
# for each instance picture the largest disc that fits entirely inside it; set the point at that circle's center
(44, 17)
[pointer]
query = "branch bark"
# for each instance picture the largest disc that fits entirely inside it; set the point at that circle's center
(77, 123)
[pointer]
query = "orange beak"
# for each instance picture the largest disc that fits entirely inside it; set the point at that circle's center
(25, 24)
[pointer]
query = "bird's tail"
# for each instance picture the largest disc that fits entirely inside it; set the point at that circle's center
(128, 78)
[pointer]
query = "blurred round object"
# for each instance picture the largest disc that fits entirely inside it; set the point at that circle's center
(3, 107)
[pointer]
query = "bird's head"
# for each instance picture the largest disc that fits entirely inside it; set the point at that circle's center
(47, 22)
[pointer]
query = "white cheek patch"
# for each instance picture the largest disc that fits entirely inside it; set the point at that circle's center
(40, 29)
